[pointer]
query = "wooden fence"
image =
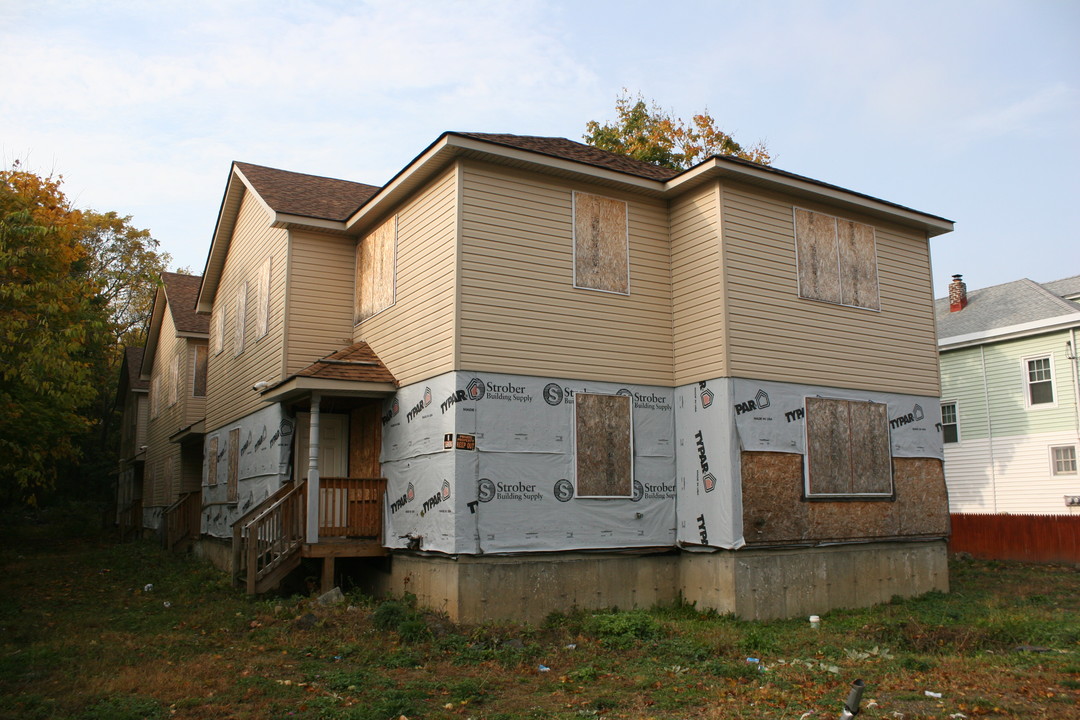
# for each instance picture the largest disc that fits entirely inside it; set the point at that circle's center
(1030, 538)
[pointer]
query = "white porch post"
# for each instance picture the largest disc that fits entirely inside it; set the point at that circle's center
(313, 472)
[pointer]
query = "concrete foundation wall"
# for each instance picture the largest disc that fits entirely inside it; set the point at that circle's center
(216, 550)
(754, 584)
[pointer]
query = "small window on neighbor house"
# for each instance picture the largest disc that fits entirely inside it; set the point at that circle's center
(375, 276)
(198, 377)
(240, 318)
(847, 448)
(1063, 459)
(837, 260)
(603, 440)
(1040, 381)
(601, 244)
(950, 427)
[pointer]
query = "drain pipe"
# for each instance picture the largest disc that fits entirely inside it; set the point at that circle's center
(851, 705)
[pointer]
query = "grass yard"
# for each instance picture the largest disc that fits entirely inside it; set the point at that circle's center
(92, 629)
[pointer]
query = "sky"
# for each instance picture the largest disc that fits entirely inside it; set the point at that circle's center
(968, 110)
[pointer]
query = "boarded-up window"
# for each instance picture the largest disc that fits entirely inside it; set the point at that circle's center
(847, 448)
(174, 380)
(212, 461)
(198, 375)
(601, 244)
(233, 488)
(262, 301)
(837, 260)
(217, 333)
(604, 445)
(375, 258)
(240, 319)
(155, 397)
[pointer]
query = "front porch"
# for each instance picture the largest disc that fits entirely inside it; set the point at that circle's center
(270, 541)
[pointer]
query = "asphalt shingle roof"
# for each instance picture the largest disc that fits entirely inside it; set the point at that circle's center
(356, 362)
(132, 366)
(577, 152)
(181, 291)
(999, 306)
(307, 195)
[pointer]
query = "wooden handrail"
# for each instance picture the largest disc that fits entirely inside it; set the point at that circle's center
(273, 535)
(182, 519)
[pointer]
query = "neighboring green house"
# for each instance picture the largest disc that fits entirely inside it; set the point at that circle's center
(1009, 406)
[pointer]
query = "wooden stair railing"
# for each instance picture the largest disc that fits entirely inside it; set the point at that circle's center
(272, 539)
(130, 520)
(182, 520)
(351, 507)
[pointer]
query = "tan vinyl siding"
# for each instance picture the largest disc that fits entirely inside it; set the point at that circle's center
(320, 297)
(229, 376)
(697, 288)
(520, 311)
(414, 337)
(776, 335)
(160, 453)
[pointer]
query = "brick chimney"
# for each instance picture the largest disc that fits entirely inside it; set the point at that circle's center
(957, 294)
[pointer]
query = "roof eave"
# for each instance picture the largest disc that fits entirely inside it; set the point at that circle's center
(297, 387)
(1010, 332)
(721, 168)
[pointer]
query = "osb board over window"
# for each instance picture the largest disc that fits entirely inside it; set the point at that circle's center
(776, 512)
(837, 260)
(858, 264)
(375, 257)
(233, 487)
(601, 244)
(847, 446)
(604, 459)
(212, 461)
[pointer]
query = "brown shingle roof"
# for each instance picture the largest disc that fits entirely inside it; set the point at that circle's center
(133, 366)
(577, 152)
(307, 195)
(181, 291)
(356, 362)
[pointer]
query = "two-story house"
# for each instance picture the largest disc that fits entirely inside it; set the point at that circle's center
(132, 400)
(174, 366)
(1009, 406)
(584, 380)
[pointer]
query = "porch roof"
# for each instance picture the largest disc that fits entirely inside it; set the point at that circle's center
(353, 371)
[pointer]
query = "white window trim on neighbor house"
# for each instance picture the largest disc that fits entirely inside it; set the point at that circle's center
(1064, 459)
(1025, 367)
(955, 423)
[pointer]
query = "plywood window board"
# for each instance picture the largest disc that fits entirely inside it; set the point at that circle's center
(198, 376)
(603, 437)
(240, 319)
(376, 258)
(847, 448)
(212, 461)
(262, 308)
(601, 243)
(233, 489)
(217, 334)
(836, 260)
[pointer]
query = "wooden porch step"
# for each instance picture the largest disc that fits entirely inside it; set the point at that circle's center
(344, 547)
(272, 579)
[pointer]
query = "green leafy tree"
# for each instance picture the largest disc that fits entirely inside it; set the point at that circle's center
(50, 321)
(75, 287)
(646, 132)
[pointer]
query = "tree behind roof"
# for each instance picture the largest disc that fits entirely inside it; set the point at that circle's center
(646, 132)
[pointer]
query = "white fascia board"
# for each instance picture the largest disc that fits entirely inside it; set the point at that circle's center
(300, 386)
(196, 335)
(1035, 327)
(785, 182)
(455, 144)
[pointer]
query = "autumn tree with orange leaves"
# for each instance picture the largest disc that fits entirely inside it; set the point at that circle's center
(647, 132)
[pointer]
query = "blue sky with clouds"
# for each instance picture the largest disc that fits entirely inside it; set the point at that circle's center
(968, 109)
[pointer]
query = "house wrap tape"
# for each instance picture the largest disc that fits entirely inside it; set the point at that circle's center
(484, 463)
